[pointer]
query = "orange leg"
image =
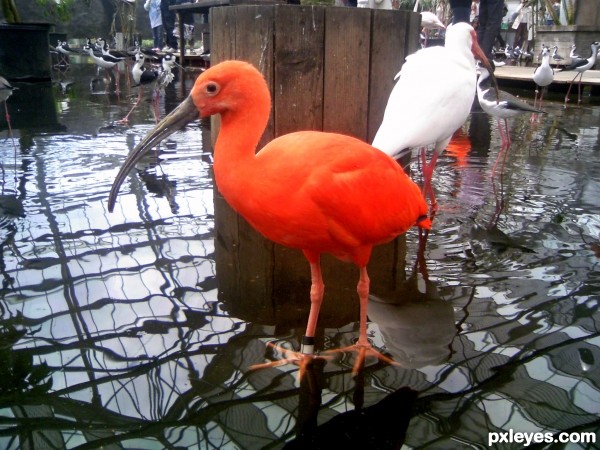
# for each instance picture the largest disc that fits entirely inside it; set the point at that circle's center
(428, 175)
(363, 346)
(306, 353)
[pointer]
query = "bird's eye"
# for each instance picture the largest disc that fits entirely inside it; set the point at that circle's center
(212, 88)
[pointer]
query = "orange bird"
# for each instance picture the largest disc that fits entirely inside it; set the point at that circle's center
(314, 191)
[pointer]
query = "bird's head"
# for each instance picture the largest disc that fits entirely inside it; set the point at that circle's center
(226, 88)
(461, 34)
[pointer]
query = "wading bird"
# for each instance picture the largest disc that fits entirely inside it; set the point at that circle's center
(558, 60)
(432, 99)
(542, 76)
(580, 66)
(501, 105)
(314, 191)
(141, 76)
(6, 90)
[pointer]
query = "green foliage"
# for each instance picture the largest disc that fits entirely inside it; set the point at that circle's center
(424, 5)
(56, 10)
(9, 9)
(59, 10)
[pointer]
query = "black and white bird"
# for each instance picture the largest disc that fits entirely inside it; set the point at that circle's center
(106, 50)
(558, 60)
(542, 76)
(65, 51)
(502, 106)
(166, 75)
(104, 61)
(580, 66)
(573, 54)
(142, 76)
(6, 90)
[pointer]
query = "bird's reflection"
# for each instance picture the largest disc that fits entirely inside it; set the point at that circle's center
(416, 324)
(380, 426)
(491, 233)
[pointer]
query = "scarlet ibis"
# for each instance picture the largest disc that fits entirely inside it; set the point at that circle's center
(500, 104)
(581, 66)
(432, 98)
(542, 76)
(314, 191)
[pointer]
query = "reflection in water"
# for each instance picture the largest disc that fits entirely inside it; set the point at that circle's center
(416, 324)
(135, 329)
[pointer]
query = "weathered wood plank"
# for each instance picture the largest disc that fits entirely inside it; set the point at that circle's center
(347, 47)
(298, 62)
(388, 52)
(321, 65)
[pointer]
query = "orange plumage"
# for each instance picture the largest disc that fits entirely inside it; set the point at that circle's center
(314, 191)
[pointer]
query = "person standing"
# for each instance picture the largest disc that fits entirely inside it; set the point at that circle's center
(521, 24)
(168, 21)
(491, 13)
(153, 8)
(461, 10)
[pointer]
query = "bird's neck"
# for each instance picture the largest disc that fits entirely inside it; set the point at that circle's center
(235, 148)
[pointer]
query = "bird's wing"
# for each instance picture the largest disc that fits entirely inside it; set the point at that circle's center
(343, 193)
(426, 105)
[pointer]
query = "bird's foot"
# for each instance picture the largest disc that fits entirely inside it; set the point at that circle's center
(363, 350)
(290, 357)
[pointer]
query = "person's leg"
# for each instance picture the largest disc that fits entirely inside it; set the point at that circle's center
(492, 12)
(168, 18)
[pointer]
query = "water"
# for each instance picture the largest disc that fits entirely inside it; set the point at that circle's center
(114, 334)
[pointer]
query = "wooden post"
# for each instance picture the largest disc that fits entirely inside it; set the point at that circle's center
(330, 69)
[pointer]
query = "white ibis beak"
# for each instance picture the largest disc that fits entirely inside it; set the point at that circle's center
(185, 113)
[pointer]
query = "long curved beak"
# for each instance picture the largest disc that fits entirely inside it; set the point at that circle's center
(185, 113)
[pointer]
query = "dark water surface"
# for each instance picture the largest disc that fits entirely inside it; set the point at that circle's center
(113, 334)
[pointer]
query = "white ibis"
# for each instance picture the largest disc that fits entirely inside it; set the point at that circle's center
(429, 21)
(542, 76)
(141, 76)
(432, 98)
(500, 104)
(581, 66)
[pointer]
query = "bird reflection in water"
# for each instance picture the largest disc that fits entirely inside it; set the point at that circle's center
(417, 325)
(6, 90)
